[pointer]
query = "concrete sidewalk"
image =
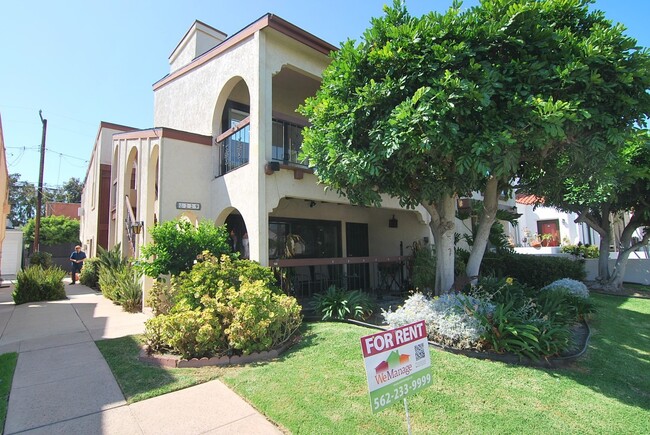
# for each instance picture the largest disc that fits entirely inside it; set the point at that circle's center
(62, 383)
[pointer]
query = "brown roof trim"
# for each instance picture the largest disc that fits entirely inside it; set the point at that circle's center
(268, 20)
(300, 35)
(169, 133)
(112, 126)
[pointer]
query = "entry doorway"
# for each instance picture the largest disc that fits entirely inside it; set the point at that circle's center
(552, 228)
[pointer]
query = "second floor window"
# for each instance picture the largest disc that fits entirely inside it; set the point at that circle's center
(287, 140)
(235, 148)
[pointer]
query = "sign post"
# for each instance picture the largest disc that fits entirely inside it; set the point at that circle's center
(396, 364)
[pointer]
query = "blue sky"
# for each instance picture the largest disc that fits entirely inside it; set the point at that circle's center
(83, 62)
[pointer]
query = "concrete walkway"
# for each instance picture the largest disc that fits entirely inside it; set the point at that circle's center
(63, 385)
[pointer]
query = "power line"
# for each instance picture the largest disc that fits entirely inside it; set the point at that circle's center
(50, 150)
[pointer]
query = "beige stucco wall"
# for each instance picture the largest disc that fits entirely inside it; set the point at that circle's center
(188, 103)
(89, 219)
(185, 176)
(194, 102)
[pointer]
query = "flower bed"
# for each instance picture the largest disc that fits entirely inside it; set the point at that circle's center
(502, 317)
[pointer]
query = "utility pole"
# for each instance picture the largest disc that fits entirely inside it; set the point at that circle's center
(39, 192)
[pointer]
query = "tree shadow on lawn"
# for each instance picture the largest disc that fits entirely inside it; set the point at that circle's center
(617, 361)
(133, 376)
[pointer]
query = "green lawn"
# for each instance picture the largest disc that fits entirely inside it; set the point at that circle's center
(319, 386)
(139, 381)
(7, 367)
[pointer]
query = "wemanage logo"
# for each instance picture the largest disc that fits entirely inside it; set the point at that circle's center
(394, 366)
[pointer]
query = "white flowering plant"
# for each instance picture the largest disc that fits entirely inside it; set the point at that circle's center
(448, 320)
(573, 287)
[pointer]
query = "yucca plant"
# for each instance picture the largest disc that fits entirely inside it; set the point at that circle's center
(129, 289)
(111, 258)
(339, 304)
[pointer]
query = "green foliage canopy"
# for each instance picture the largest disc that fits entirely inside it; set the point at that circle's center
(176, 245)
(442, 105)
(54, 230)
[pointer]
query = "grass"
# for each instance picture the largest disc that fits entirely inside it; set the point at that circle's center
(139, 381)
(7, 367)
(319, 386)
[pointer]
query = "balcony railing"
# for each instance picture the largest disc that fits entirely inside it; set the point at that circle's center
(381, 276)
(234, 147)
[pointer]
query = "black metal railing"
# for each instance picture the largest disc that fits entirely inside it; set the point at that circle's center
(234, 147)
(380, 276)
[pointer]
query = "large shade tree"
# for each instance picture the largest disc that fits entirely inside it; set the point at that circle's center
(428, 109)
(596, 197)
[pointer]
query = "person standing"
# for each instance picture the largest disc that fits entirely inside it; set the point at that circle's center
(77, 260)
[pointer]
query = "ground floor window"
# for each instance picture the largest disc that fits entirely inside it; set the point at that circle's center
(304, 238)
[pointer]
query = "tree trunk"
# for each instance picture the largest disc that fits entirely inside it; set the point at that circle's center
(603, 258)
(615, 281)
(443, 226)
(601, 225)
(486, 220)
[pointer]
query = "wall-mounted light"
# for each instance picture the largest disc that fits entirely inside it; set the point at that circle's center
(271, 167)
(392, 222)
(137, 226)
(312, 204)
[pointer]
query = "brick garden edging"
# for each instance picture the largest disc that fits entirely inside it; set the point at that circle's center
(175, 361)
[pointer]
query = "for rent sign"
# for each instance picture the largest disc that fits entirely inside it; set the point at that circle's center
(396, 363)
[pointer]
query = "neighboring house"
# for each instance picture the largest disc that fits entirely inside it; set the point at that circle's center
(67, 209)
(560, 226)
(95, 197)
(4, 191)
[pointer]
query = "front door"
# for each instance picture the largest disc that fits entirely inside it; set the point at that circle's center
(549, 232)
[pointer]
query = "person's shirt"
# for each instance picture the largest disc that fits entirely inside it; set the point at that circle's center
(81, 255)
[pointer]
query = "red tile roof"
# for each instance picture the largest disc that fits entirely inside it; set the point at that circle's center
(526, 199)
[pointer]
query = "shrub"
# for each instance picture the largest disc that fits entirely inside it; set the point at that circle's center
(90, 273)
(583, 251)
(161, 296)
(260, 319)
(129, 289)
(190, 333)
(35, 284)
(108, 282)
(212, 276)
(576, 288)
(563, 306)
(532, 270)
(338, 304)
(503, 290)
(43, 259)
(447, 319)
(176, 244)
(112, 258)
(220, 307)
(424, 268)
